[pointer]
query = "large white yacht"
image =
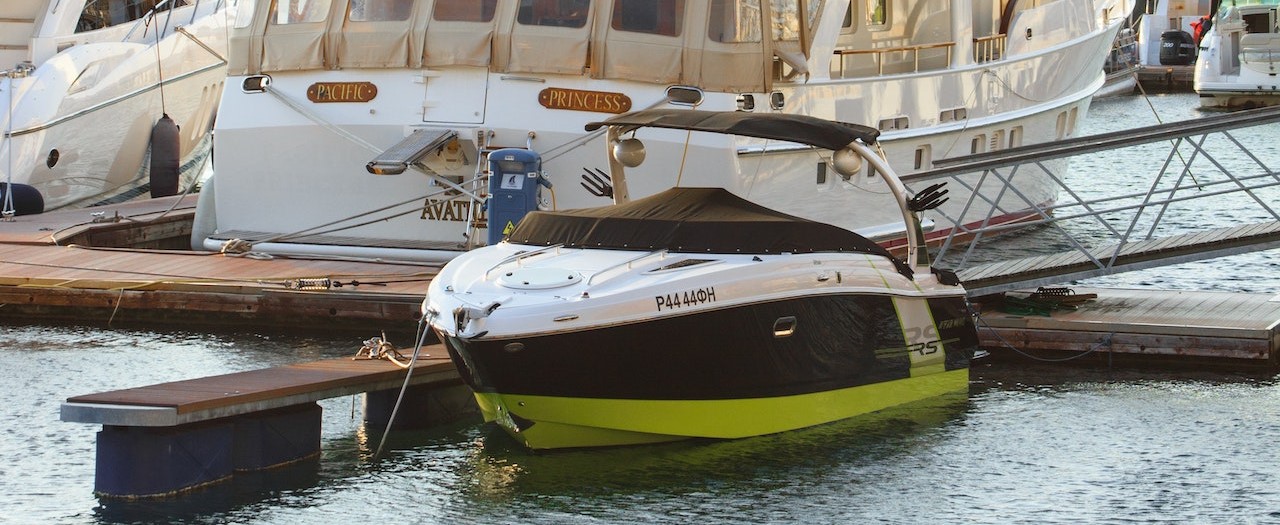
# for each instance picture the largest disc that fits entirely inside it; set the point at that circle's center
(85, 87)
(363, 127)
(1240, 56)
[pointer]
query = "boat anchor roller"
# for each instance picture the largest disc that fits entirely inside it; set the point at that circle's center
(515, 186)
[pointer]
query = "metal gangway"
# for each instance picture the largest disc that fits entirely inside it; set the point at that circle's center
(1219, 165)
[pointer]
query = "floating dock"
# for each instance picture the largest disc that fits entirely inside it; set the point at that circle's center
(164, 439)
(1128, 326)
(110, 265)
(1161, 78)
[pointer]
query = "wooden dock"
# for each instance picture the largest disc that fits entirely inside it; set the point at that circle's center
(108, 265)
(104, 265)
(164, 439)
(1128, 326)
(1160, 78)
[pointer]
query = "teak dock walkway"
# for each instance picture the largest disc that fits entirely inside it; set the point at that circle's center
(1136, 325)
(63, 266)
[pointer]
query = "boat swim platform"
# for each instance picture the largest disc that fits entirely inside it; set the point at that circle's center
(165, 439)
(1226, 330)
(68, 265)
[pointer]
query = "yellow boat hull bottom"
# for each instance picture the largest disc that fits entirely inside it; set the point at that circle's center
(543, 422)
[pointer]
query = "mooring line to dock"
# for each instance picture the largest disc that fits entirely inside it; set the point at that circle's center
(424, 324)
(1106, 340)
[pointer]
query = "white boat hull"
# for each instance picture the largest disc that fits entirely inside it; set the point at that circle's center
(294, 170)
(78, 125)
(1240, 59)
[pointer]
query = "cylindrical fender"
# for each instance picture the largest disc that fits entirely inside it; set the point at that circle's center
(26, 199)
(165, 154)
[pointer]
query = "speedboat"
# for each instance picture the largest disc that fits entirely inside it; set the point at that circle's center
(363, 129)
(105, 100)
(1240, 57)
(694, 313)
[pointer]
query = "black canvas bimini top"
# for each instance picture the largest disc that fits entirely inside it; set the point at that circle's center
(691, 220)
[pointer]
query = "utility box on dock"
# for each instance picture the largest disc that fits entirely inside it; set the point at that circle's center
(515, 182)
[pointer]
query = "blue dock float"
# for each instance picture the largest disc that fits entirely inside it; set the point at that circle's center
(165, 439)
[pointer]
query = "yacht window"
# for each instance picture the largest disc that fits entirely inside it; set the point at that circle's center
(98, 14)
(379, 10)
(734, 21)
(465, 10)
(555, 13)
(661, 17)
(1257, 23)
(786, 21)
(846, 26)
(285, 12)
(878, 13)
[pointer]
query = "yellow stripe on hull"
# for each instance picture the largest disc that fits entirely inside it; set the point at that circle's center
(565, 422)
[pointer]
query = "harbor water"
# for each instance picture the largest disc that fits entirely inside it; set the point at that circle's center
(1028, 443)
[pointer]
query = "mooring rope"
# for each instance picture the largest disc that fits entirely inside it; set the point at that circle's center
(1106, 340)
(424, 327)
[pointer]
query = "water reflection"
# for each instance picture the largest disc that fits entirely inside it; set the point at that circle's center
(499, 468)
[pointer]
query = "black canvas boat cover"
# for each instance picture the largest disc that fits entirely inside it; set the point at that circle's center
(691, 220)
(802, 129)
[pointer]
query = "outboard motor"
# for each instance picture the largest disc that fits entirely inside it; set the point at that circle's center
(515, 182)
(1177, 48)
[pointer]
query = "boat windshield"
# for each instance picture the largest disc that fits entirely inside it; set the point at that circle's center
(1225, 11)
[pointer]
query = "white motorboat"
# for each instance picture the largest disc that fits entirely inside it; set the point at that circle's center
(328, 98)
(695, 313)
(1240, 56)
(87, 90)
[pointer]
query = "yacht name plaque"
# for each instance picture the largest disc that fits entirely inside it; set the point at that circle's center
(322, 92)
(582, 100)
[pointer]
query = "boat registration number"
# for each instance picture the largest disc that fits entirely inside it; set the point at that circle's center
(686, 298)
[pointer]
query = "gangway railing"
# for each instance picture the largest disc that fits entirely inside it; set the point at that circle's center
(1087, 230)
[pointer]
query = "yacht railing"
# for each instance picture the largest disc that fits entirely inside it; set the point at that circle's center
(989, 48)
(882, 53)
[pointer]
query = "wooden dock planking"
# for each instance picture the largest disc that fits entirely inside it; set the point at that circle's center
(1166, 77)
(194, 400)
(41, 279)
(1217, 326)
